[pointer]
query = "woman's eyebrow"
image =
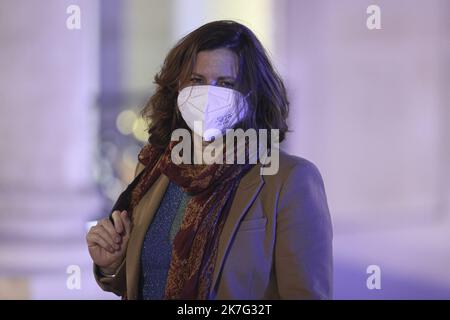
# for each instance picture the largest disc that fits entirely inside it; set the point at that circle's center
(218, 78)
(226, 78)
(198, 75)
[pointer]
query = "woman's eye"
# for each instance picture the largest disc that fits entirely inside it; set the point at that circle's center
(196, 80)
(227, 84)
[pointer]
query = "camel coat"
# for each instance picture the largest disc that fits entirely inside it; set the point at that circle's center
(276, 242)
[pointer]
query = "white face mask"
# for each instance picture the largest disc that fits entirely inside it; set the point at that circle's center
(216, 108)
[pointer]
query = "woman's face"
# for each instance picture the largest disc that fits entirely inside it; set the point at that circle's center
(217, 67)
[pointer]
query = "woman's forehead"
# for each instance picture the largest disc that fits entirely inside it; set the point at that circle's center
(216, 63)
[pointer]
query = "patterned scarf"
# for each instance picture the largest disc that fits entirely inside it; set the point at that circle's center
(194, 249)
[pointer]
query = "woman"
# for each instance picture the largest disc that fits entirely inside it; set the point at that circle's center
(216, 231)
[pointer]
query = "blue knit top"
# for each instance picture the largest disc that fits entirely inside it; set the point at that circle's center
(156, 251)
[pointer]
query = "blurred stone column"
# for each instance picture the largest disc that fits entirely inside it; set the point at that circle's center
(47, 128)
(367, 106)
(444, 53)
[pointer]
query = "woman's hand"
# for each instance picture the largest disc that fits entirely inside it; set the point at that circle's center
(107, 242)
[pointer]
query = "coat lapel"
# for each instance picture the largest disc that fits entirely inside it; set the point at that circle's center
(142, 216)
(248, 189)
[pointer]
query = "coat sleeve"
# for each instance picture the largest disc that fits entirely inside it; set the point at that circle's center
(118, 283)
(303, 245)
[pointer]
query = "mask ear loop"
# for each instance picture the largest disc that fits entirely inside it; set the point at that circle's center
(178, 116)
(253, 155)
(177, 113)
(243, 103)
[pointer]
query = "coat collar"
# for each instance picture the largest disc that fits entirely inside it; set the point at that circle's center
(247, 191)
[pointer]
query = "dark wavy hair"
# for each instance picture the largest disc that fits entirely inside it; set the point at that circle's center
(257, 78)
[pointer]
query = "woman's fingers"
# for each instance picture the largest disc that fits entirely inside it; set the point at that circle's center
(94, 238)
(126, 222)
(118, 224)
(105, 234)
(110, 229)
